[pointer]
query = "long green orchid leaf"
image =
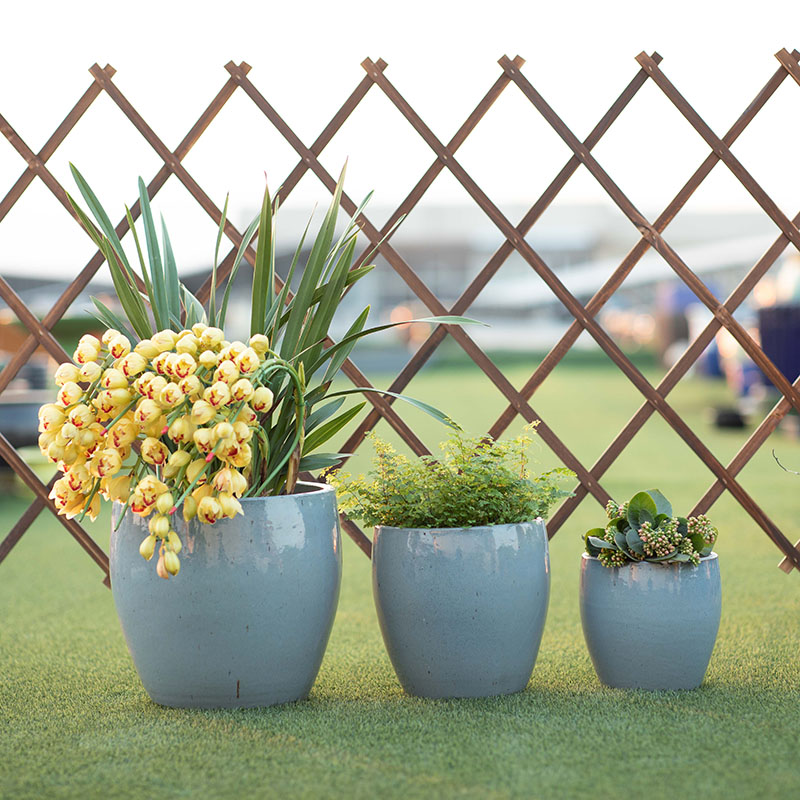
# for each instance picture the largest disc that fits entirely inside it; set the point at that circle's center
(434, 412)
(321, 435)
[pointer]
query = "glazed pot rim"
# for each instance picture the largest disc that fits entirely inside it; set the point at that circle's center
(477, 530)
(710, 557)
(316, 488)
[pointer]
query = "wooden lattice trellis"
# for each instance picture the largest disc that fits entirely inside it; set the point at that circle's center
(655, 398)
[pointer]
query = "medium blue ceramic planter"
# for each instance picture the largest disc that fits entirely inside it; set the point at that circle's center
(462, 610)
(247, 619)
(650, 626)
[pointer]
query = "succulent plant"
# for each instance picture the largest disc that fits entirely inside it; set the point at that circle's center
(644, 529)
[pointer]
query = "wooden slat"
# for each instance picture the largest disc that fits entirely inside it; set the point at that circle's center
(518, 401)
(671, 379)
(604, 294)
(52, 144)
(648, 231)
(80, 282)
(500, 256)
(23, 471)
(425, 294)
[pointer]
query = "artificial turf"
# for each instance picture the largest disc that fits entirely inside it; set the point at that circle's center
(75, 721)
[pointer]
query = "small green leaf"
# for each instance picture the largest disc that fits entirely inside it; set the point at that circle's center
(264, 268)
(244, 244)
(212, 297)
(599, 543)
(642, 508)
(663, 506)
(635, 544)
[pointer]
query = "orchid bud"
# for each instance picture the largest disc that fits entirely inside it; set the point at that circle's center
(223, 430)
(208, 359)
(161, 569)
(202, 412)
(189, 508)
(164, 340)
(179, 459)
(263, 399)
(194, 470)
(90, 372)
(164, 503)
(69, 394)
(67, 373)
(51, 417)
(259, 343)
(147, 547)
(171, 562)
(187, 344)
(159, 525)
(211, 337)
(119, 346)
(146, 349)
(174, 542)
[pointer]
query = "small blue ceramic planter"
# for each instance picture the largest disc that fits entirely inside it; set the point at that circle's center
(650, 626)
(247, 619)
(462, 610)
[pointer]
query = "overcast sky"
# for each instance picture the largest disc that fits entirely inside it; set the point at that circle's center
(442, 56)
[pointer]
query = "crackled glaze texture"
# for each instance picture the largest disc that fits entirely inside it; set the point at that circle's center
(247, 619)
(462, 610)
(650, 626)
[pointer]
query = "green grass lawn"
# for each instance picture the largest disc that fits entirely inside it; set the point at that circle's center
(75, 721)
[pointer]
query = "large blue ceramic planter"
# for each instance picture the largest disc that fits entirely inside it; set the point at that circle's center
(247, 619)
(462, 610)
(650, 626)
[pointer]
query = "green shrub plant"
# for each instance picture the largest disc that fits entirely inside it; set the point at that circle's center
(476, 481)
(644, 529)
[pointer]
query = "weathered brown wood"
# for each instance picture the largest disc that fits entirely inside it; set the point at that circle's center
(518, 400)
(500, 256)
(80, 282)
(23, 523)
(26, 474)
(604, 294)
(52, 144)
(671, 379)
(648, 231)
(423, 292)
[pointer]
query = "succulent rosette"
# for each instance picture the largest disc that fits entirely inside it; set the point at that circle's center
(644, 529)
(165, 415)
